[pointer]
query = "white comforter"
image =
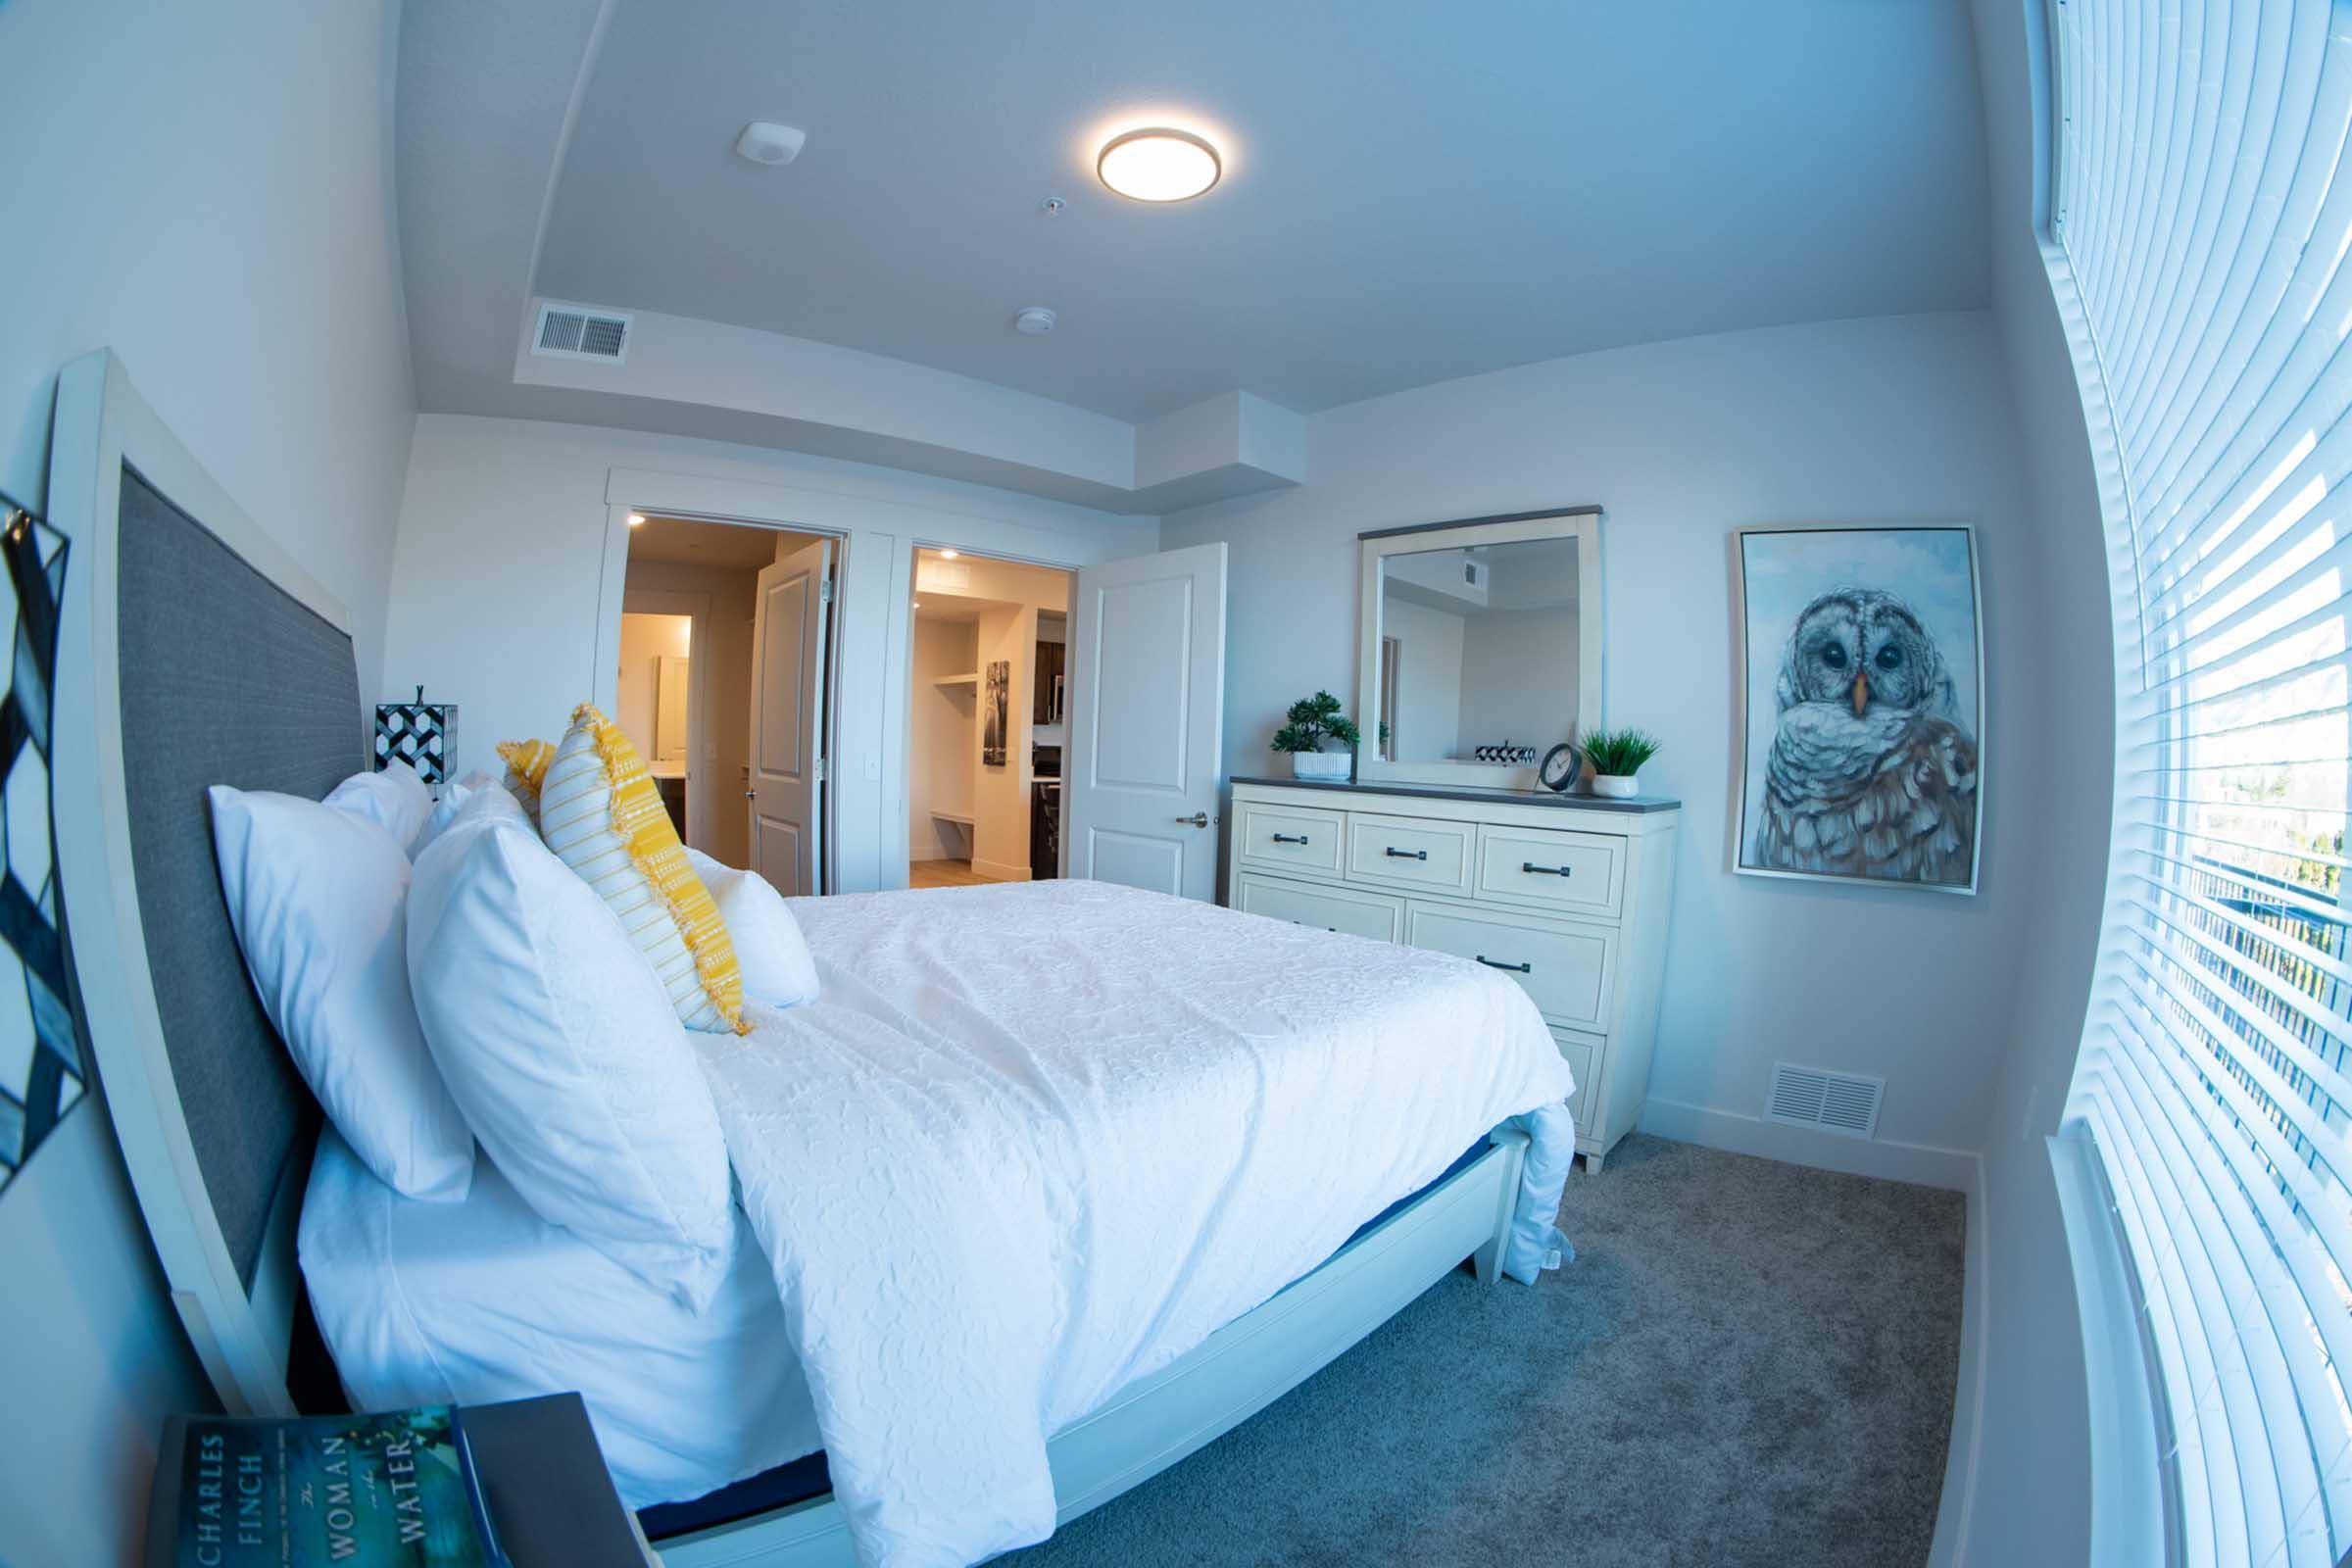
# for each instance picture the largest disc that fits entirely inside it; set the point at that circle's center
(1038, 1141)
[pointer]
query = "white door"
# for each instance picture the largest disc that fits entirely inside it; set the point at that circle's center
(1147, 686)
(788, 716)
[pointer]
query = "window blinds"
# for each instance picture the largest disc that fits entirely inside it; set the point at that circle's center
(2201, 209)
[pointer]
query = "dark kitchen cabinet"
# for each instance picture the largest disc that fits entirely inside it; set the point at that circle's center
(1046, 696)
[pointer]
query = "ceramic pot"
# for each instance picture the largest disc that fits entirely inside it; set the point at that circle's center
(1319, 765)
(1616, 786)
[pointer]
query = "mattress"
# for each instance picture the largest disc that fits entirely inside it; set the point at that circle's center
(482, 1300)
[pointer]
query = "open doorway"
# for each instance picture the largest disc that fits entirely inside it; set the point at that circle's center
(987, 701)
(724, 685)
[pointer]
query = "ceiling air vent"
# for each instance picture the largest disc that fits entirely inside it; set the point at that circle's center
(1834, 1102)
(582, 332)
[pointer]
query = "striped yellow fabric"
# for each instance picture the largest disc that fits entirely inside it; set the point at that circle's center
(600, 814)
(526, 768)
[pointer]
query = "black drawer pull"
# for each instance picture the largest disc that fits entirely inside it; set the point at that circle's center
(1289, 838)
(1531, 869)
(1396, 854)
(1516, 968)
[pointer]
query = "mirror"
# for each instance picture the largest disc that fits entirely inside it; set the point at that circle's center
(1482, 646)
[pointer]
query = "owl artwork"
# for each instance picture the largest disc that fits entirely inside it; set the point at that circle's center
(1871, 773)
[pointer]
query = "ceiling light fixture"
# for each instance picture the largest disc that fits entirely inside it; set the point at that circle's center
(1035, 320)
(946, 555)
(1158, 164)
(636, 519)
(763, 141)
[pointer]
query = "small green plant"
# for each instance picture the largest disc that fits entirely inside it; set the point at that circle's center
(1314, 720)
(1619, 752)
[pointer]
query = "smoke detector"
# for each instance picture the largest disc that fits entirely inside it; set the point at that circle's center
(1034, 321)
(763, 141)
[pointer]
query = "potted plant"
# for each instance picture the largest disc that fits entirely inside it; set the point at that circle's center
(1312, 721)
(1615, 756)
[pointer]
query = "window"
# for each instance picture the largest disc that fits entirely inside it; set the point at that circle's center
(2197, 243)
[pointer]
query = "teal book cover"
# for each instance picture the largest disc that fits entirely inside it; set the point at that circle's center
(391, 1491)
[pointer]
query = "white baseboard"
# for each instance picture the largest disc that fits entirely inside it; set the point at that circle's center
(1954, 1170)
(999, 870)
(1949, 1546)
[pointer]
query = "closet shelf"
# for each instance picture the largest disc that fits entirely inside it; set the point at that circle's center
(960, 819)
(972, 680)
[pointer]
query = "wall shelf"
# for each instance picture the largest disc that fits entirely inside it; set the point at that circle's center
(950, 683)
(960, 819)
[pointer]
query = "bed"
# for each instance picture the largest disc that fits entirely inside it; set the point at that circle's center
(1110, 1171)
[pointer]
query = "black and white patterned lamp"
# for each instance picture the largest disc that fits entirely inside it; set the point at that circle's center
(42, 1072)
(421, 734)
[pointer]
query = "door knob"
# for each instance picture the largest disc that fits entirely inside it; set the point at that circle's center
(1197, 819)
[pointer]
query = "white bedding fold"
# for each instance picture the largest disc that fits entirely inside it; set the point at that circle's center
(1038, 1141)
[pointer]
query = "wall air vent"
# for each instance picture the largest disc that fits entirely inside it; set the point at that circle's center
(581, 332)
(1833, 1101)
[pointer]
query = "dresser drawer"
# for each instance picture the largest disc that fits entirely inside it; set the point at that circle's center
(1582, 1052)
(1359, 914)
(1297, 837)
(1411, 852)
(1564, 967)
(1575, 873)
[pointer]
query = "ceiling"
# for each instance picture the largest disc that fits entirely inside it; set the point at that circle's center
(684, 542)
(1413, 191)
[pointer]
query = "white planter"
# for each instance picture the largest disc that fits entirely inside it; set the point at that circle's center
(1319, 765)
(1617, 787)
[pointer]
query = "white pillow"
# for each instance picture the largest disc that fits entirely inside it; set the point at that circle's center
(317, 898)
(565, 1054)
(453, 796)
(395, 800)
(774, 957)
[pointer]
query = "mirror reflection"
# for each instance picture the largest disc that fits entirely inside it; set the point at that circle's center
(1478, 649)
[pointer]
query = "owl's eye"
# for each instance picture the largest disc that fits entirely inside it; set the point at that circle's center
(1891, 656)
(1832, 655)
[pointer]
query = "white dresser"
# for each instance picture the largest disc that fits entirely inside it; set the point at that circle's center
(1569, 895)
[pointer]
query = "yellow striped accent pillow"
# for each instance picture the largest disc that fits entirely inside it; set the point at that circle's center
(600, 814)
(527, 770)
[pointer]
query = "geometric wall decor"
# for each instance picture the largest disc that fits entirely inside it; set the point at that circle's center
(42, 1072)
(421, 734)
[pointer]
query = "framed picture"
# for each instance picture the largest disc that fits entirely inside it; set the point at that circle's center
(996, 716)
(1862, 700)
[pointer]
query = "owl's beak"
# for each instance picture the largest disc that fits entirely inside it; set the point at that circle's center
(1861, 692)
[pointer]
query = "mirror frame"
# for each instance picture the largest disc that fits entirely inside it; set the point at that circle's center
(1580, 523)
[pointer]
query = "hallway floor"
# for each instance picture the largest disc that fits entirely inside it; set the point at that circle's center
(946, 874)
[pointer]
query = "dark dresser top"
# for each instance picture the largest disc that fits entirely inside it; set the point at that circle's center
(1638, 805)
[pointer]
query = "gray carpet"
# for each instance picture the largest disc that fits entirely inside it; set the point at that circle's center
(1748, 1363)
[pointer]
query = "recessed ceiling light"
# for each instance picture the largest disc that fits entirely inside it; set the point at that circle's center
(636, 519)
(1159, 166)
(946, 555)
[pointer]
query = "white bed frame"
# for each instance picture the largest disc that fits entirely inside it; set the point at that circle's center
(243, 1336)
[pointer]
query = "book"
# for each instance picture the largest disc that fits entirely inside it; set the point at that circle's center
(393, 1490)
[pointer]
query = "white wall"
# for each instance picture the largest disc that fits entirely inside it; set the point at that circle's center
(1518, 678)
(1001, 790)
(509, 531)
(944, 737)
(1881, 421)
(1428, 721)
(647, 638)
(716, 818)
(206, 189)
(2021, 1491)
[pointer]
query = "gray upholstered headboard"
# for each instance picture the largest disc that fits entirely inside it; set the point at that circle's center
(226, 679)
(192, 651)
